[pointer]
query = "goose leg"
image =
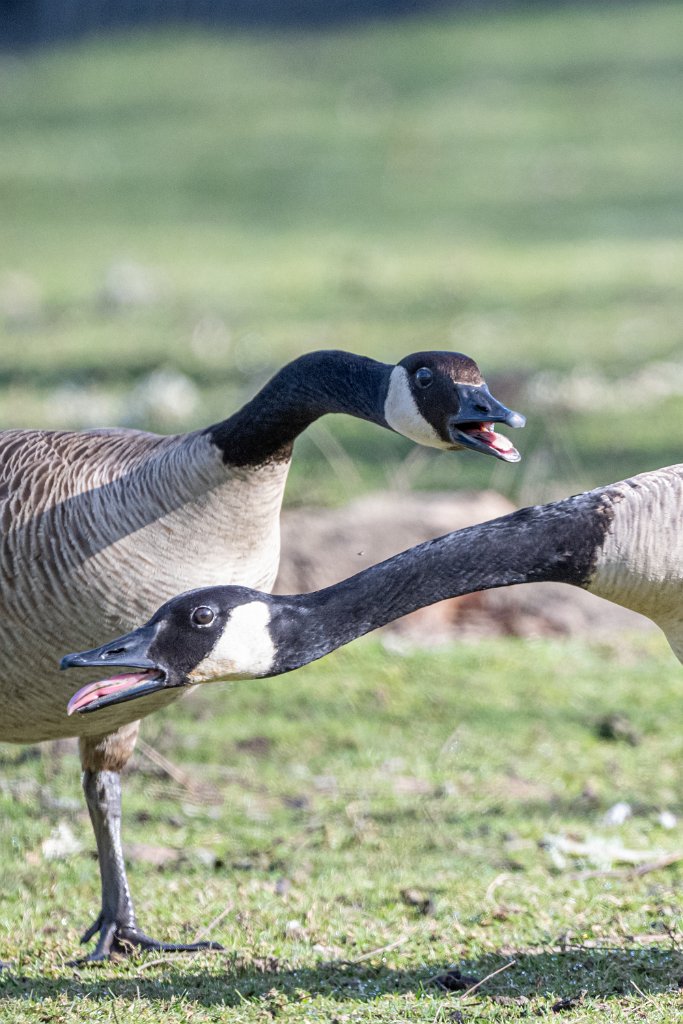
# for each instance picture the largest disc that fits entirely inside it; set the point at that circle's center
(116, 923)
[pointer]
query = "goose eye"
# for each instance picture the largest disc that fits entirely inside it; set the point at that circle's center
(423, 377)
(203, 616)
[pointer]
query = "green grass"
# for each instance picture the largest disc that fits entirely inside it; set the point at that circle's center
(508, 185)
(321, 797)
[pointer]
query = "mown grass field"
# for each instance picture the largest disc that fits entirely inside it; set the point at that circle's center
(317, 811)
(507, 185)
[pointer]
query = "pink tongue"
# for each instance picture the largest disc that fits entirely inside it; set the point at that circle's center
(502, 443)
(497, 441)
(93, 691)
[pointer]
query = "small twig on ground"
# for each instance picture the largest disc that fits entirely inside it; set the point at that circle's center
(498, 880)
(656, 865)
(380, 949)
(204, 932)
(617, 945)
(473, 988)
(173, 957)
(675, 939)
(648, 999)
(160, 960)
(633, 872)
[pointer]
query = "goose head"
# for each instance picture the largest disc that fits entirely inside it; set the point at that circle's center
(441, 400)
(208, 635)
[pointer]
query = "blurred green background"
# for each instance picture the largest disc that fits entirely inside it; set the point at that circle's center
(182, 213)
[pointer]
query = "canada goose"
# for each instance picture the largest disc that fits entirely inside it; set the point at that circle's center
(96, 528)
(623, 542)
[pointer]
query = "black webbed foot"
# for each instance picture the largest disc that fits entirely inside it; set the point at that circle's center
(119, 940)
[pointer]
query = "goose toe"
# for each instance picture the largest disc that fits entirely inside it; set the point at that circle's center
(118, 940)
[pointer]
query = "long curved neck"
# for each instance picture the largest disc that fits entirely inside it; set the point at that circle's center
(556, 542)
(307, 388)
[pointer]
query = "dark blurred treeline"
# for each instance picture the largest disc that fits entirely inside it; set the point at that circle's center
(26, 23)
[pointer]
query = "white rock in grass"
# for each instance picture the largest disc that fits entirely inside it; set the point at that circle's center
(667, 820)
(618, 813)
(61, 844)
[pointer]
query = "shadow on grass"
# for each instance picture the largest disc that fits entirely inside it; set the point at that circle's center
(592, 972)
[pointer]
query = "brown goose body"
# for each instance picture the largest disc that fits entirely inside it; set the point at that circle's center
(98, 528)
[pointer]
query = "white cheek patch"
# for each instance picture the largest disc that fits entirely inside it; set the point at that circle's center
(244, 650)
(403, 416)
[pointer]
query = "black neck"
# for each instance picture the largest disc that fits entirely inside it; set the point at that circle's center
(315, 384)
(557, 542)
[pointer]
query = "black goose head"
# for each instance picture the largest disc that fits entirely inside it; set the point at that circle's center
(207, 635)
(440, 399)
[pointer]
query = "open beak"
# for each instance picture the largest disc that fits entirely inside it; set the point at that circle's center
(473, 425)
(129, 651)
